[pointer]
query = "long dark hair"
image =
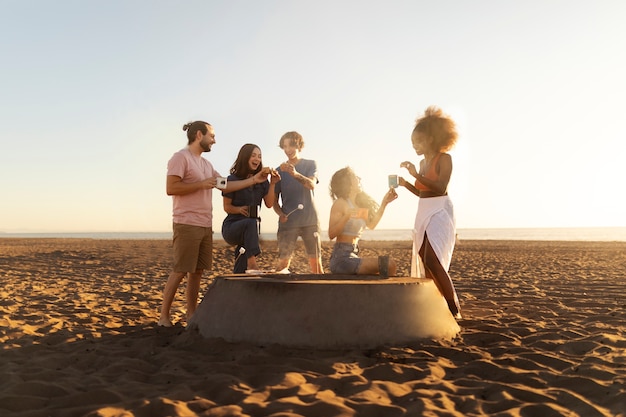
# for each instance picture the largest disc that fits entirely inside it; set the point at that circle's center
(241, 167)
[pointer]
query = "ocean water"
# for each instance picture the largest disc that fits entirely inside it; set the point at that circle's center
(585, 234)
(589, 234)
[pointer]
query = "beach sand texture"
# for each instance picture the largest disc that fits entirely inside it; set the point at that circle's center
(543, 334)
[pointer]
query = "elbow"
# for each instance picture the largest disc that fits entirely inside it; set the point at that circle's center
(372, 224)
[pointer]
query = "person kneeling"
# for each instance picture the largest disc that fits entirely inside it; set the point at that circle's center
(352, 211)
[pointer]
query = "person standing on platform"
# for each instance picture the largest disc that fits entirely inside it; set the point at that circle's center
(190, 181)
(295, 205)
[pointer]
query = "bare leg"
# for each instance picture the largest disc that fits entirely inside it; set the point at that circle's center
(440, 276)
(173, 281)
(193, 288)
(369, 266)
(393, 268)
(316, 265)
(252, 263)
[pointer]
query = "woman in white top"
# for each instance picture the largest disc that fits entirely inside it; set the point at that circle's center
(351, 212)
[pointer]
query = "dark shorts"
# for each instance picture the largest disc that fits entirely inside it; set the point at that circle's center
(193, 248)
(345, 259)
(310, 236)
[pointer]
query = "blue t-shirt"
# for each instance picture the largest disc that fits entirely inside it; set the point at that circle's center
(293, 193)
(250, 196)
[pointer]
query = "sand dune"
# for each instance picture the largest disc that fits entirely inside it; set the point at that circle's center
(543, 334)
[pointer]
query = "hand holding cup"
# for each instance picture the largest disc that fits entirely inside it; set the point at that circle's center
(390, 196)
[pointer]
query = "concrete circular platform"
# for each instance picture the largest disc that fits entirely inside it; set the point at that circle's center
(328, 311)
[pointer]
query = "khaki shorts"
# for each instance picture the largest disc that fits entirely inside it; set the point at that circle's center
(193, 248)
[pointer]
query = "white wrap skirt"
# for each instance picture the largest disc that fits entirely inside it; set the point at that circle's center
(435, 217)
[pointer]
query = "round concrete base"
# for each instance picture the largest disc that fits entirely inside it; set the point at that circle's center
(323, 311)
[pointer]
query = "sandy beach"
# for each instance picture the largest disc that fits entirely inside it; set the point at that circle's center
(543, 334)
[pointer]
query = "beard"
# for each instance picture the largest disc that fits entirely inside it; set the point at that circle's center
(206, 147)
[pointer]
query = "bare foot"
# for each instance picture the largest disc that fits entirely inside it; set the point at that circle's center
(165, 322)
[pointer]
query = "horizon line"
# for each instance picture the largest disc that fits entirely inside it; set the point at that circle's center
(323, 230)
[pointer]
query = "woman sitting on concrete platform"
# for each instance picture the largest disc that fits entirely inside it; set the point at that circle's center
(353, 211)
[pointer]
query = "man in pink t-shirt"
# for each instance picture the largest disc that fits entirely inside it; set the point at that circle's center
(190, 182)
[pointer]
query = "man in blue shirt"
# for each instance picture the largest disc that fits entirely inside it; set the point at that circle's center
(294, 204)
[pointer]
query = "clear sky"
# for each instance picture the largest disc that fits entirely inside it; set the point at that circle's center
(93, 96)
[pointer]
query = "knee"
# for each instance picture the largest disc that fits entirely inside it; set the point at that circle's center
(196, 275)
(430, 260)
(250, 224)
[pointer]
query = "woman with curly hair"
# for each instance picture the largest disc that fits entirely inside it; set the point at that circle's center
(351, 212)
(434, 232)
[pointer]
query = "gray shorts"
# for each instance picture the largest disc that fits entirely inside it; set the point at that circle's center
(287, 241)
(193, 248)
(345, 259)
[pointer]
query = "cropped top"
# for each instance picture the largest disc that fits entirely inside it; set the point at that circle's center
(354, 226)
(431, 174)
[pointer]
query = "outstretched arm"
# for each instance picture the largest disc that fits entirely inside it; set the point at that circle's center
(176, 186)
(237, 185)
(388, 198)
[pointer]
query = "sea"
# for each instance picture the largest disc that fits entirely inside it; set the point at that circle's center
(588, 234)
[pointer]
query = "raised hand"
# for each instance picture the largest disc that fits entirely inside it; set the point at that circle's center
(410, 167)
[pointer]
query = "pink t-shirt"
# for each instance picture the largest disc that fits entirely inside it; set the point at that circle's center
(195, 209)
